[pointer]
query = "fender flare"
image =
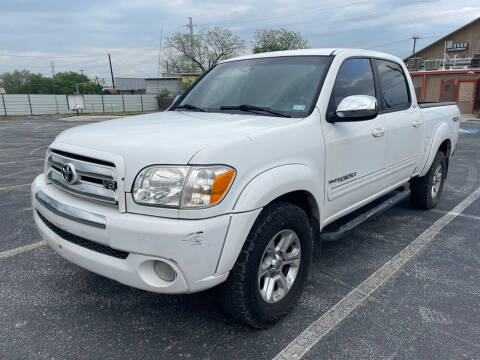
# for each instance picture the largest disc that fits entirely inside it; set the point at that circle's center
(259, 192)
(441, 134)
(275, 182)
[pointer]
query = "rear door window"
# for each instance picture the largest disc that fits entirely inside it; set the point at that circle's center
(394, 94)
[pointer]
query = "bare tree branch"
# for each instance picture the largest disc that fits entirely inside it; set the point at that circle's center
(209, 47)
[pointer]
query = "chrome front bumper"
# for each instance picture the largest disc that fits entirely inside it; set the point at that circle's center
(191, 247)
(75, 214)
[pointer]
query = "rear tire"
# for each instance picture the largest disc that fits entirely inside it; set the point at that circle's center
(426, 190)
(265, 282)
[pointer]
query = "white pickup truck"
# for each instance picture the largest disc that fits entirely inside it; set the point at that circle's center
(248, 169)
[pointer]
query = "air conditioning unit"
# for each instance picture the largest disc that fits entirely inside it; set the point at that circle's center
(415, 64)
(476, 61)
(434, 64)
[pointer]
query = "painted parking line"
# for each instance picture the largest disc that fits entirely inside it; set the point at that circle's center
(37, 149)
(17, 173)
(21, 249)
(324, 324)
(467, 216)
(13, 187)
(20, 161)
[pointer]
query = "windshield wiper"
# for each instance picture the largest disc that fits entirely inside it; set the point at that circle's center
(189, 107)
(253, 108)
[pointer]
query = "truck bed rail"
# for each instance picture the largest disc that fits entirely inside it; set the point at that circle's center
(429, 104)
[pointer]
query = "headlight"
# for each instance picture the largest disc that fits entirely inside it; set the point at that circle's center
(160, 185)
(181, 186)
(206, 186)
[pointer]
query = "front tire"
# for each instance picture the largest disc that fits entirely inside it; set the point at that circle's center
(426, 190)
(271, 270)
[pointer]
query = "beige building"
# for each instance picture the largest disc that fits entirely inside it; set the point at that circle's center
(449, 69)
(462, 43)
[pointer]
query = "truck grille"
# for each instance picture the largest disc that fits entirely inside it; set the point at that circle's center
(83, 176)
(88, 244)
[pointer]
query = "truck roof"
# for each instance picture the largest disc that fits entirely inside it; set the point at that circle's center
(321, 51)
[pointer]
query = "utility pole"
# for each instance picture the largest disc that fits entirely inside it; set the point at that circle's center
(190, 25)
(414, 38)
(53, 69)
(111, 71)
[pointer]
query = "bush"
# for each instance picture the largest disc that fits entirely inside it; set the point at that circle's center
(184, 85)
(164, 93)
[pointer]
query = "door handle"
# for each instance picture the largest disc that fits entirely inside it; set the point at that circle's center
(417, 123)
(378, 132)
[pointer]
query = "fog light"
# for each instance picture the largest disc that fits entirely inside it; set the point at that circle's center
(164, 271)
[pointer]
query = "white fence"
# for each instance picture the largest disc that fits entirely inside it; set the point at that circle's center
(27, 104)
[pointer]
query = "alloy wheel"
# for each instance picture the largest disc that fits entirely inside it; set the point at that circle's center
(279, 266)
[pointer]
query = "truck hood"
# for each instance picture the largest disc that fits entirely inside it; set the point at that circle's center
(170, 137)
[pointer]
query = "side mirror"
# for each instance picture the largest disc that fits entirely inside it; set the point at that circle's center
(357, 108)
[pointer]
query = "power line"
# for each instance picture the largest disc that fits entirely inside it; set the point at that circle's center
(419, 9)
(388, 44)
(399, 41)
(49, 56)
(297, 11)
(367, 16)
(128, 65)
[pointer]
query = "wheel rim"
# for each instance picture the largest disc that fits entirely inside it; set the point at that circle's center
(279, 266)
(437, 181)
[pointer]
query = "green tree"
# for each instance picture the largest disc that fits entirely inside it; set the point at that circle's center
(164, 93)
(184, 85)
(17, 82)
(67, 82)
(277, 40)
(25, 82)
(38, 84)
(207, 48)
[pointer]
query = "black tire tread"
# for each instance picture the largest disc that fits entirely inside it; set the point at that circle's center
(233, 292)
(420, 186)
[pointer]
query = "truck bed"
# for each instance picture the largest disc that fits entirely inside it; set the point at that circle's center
(429, 104)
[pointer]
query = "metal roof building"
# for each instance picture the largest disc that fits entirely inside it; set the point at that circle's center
(463, 43)
(130, 85)
(172, 83)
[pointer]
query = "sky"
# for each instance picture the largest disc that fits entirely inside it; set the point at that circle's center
(78, 35)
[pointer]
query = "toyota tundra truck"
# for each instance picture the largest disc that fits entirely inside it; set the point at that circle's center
(248, 170)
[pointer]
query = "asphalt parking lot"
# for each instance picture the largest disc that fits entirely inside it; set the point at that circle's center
(423, 305)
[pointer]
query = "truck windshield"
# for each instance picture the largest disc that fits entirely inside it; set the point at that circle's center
(276, 86)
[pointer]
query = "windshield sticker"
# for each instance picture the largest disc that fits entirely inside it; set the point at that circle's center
(299, 107)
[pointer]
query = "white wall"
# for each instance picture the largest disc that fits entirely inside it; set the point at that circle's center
(24, 104)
